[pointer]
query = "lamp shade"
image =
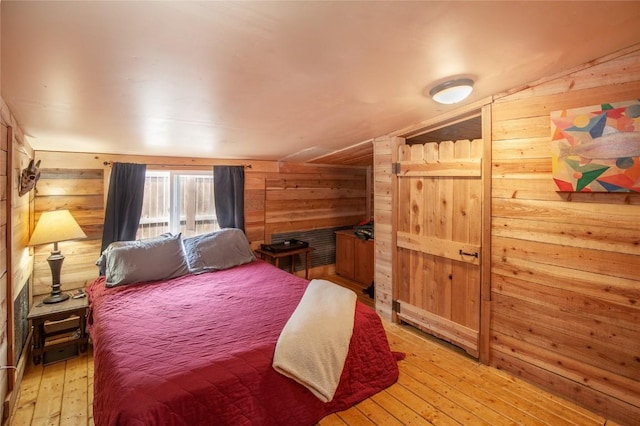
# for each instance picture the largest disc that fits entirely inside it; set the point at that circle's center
(56, 226)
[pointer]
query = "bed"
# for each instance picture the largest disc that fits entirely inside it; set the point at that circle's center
(197, 349)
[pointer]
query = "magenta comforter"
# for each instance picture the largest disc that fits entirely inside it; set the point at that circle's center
(197, 350)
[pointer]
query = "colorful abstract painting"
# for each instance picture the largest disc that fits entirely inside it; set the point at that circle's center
(597, 148)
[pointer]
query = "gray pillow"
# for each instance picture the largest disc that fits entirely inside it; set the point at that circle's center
(218, 250)
(145, 260)
(101, 262)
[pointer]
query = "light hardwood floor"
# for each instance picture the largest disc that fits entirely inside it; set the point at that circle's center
(438, 385)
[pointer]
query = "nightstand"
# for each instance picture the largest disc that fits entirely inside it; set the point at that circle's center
(275, 256)
(53, 339)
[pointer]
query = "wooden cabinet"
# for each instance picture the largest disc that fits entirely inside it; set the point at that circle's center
(344, 254)
(354, 257)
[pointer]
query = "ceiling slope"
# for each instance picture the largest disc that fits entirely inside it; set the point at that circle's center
(274, 80)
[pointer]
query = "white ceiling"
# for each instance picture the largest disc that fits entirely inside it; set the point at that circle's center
(266, 80)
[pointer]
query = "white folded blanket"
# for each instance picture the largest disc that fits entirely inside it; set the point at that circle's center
(314, 343)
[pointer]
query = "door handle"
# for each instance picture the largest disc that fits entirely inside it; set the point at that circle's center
(464, 253)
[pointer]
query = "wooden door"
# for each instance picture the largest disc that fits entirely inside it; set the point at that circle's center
(438, 239)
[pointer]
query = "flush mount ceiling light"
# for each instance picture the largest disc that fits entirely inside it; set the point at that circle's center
(452, 91)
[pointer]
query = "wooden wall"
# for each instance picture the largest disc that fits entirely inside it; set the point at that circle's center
(305, 196)
(81, 191)
(21, 220)
(279, 197)
(565, 266)
(564, 280)
(5, 334)
(384, 184)
(15, 260)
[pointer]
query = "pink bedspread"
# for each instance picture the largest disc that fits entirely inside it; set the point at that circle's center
(197, 350)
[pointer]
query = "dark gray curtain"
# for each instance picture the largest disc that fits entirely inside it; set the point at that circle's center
(124, 203)
(228, 191)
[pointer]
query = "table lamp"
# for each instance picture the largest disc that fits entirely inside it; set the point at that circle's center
(53, 227)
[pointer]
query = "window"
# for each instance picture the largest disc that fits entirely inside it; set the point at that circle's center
(177, 201)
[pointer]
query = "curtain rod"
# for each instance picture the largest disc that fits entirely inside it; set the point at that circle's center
(110, 163)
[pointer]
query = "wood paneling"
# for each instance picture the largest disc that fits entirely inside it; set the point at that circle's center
(79, 160)
(385, 154)
(560, 301)
(6, 325)
(254, 207)
(279, 198)
(81, 191)
(357, 155)
(16, 266)
(565, 267)
(308, 196)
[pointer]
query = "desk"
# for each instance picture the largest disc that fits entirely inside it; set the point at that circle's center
(42, 312)
(276, 256)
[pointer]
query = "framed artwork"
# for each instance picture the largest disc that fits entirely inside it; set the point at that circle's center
(597, 148)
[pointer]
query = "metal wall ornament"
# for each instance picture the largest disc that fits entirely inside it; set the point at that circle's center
(29, 177)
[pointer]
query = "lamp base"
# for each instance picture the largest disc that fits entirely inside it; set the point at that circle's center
(55, 263)
(55, 298)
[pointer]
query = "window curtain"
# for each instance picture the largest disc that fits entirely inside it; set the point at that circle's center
(124, 203)
(228, 192)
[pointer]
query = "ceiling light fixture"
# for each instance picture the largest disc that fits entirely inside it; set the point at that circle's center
(452, 91)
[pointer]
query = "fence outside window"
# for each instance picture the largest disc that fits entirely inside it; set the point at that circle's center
(177, 202)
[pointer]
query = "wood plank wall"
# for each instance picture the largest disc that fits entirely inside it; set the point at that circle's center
(254, 207)
(565, 266)
(5, 333)
(17, 263)
(81, 191)
(20, 258)
(384, 183)
(301, 197)
(279, 197)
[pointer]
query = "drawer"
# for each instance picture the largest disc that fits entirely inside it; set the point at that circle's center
(60, 353)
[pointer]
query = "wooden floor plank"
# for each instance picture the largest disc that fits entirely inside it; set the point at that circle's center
(419, 404)
(545, 407)
(75, 399)
(331, 420)
(466, 374)
(474, 400)
(516, 399)
(354, 417)
(398, 410)
(446, 399)
(49, 402)
(25, 406)
(90, 387)
(377, 414)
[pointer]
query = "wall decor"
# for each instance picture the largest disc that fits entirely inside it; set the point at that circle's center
(29, 178)
(597, 148)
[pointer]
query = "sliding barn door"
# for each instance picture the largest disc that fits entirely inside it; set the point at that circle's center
(439, 220)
